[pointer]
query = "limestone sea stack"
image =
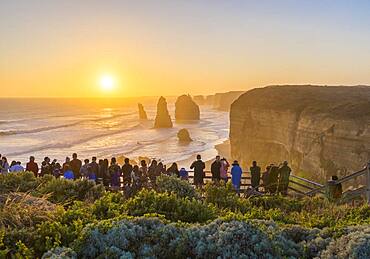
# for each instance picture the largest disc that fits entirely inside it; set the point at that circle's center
(163, 119)
(186, 108)
(142, 112)
(184, 136)
(320, 130)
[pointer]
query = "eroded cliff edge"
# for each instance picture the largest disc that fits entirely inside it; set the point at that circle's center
(320, 130)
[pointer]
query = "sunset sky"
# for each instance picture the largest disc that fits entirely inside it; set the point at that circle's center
(78, 48)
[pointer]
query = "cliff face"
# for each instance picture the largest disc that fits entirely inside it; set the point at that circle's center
(162, 119)
(319, 130)
(186, 108)
(223, 101)
(142, 113)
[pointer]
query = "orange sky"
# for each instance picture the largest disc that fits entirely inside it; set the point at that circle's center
(62, 48)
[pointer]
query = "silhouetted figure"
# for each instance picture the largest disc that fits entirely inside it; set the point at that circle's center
(32, 166)
(76, 166)
(144, 174)
(57, 170)
(173, 170)
(236, 176)
(105, 172)
(255, 175)
(94, 170)
(284, 174)
(335, 190)
(184, 175)
(273, 179)
(266, 178)
(16, 167)
(4, 167)
(224, 169)
(198, 167)
(46, 167)
(85, 169)
(126, 172)
(115, 174)
(67, 162)
(68, 174)
(136, 176)
(216, 169)
(152, 171)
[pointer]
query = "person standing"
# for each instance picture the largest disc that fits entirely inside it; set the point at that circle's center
(152, 171)
(255, 175)
(94, 169)
(216, 169)
(284, 174)
(68, 174)
(198, 167)
(224, 168)
(4, 167)
(173, 170)
(85, 169)
(32, 166)
(184, 175)
(103, 172)
(115, 174)
(273, 178)
(67, 162)
(46, 167)
(76, 166)
(126, 172)
(236, 176)
(16, 168)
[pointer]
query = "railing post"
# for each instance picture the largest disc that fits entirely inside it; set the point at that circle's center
(368, 183)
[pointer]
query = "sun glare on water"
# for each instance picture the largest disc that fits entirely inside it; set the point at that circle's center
(107, 83)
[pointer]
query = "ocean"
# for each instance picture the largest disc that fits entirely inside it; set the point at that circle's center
(104, 128)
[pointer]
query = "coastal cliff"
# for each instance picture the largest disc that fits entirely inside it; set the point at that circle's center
(320, 130)
(186, 108)
(222, 101)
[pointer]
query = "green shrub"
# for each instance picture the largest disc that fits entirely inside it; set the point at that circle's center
(109, 206)
(169, 205)
(174, 184)
(17, 182)
(66, 191)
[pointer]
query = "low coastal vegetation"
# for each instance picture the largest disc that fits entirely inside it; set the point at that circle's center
(53, 218)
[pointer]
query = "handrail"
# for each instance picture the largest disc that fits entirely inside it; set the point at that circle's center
(302, 185)
(349, 177)
(306, 180)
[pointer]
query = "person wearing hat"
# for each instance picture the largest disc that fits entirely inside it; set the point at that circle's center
(284, 174)
(236, 176)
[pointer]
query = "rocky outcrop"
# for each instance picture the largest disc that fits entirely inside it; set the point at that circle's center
(186, 108)
(320, 130)
(184, 136)
(163, 118)
(223, 101)
(142, 113)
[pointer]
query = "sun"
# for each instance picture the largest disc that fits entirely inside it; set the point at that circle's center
(107, 83)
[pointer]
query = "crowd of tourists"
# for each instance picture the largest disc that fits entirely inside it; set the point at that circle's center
(274, 179)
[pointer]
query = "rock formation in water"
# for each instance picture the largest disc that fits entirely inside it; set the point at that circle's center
(186, 108)
(184, 136)
(142, 113)
(223, 101)
(163, 118)
(320, 130)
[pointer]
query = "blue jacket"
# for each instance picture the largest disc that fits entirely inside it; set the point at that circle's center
(236, 174)
(69, 175)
